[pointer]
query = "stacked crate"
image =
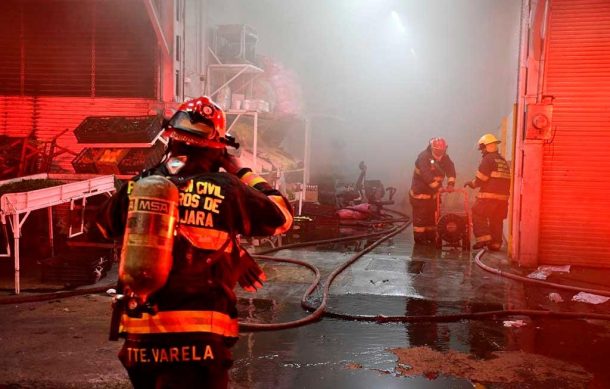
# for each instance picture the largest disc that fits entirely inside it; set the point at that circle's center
(134, 132)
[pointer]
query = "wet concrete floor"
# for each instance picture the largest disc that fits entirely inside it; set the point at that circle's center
(62, 343)
(398, 279)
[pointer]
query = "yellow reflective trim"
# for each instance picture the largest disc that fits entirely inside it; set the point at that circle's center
(482, 176)
(417, 171)
(483, 238)
(281, 204)
(252, 179)
(103, 230)
(434, 184)
(181, 321)
(496, 174)
(421, 196)
(423, 228)
(494, 196)
(205, 238)
(451, 180)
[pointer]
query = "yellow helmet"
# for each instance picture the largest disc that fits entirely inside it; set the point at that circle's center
(488, 139)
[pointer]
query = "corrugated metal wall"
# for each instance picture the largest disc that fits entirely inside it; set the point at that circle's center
(48, 116)
(10, 49)
(57, 48)
(126, 50)
(64, 60)
(575, 212)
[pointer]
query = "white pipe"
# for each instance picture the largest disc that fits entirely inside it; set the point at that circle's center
(518, 157)
(542, 65)
(51, 240)
(307, 152)
(255, 142)
(16, 236)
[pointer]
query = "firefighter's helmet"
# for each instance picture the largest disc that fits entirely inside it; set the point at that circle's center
(438, 146)
(488, 139)
(199, 122)
(488, 142)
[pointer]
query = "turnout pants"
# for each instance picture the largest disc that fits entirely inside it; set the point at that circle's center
(487, 221)
(179, 377)
(175, 361)
(424, 223)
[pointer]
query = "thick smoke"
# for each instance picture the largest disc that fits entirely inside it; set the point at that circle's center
(392, 74)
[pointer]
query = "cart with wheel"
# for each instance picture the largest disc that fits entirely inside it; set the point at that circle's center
(453, 226)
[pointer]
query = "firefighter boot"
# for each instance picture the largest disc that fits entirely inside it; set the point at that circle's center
(431, 235)
(480, 245)
(495, 246)
(481, 241)
(421, 238)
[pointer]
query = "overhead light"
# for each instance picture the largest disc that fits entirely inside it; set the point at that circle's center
(401, 27)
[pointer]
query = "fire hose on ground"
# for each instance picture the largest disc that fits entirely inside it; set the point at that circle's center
(22, 299)
(318, 312)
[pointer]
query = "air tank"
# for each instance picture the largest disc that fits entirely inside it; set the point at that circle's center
(146, 255)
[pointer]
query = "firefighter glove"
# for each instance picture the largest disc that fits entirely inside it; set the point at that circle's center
(469, 184)
(231, 163)
(251, 275)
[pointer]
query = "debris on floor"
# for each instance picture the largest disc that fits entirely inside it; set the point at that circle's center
(589, 298)
(555, 297)
(504, 367)
(514, 323)
(544, 271)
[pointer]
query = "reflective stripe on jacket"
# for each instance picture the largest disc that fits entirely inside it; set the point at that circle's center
(181, 321)
(493, 177)
(429, 174)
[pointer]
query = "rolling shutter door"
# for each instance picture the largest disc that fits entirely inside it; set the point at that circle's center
(77, 48)
(125, 50)
(57, 48)
(10, 48)
(575, 212)
(50, 115)
(64, 60)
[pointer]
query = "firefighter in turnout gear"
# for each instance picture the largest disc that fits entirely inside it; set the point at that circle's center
(431, 168)
(181, 335)
(491, 206)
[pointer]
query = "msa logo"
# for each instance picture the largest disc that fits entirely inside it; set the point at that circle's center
(148, 205)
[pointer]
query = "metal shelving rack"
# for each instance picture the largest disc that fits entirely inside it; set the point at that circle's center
(220, 76)
(13, 205)
(239, 77)
(229, 74)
